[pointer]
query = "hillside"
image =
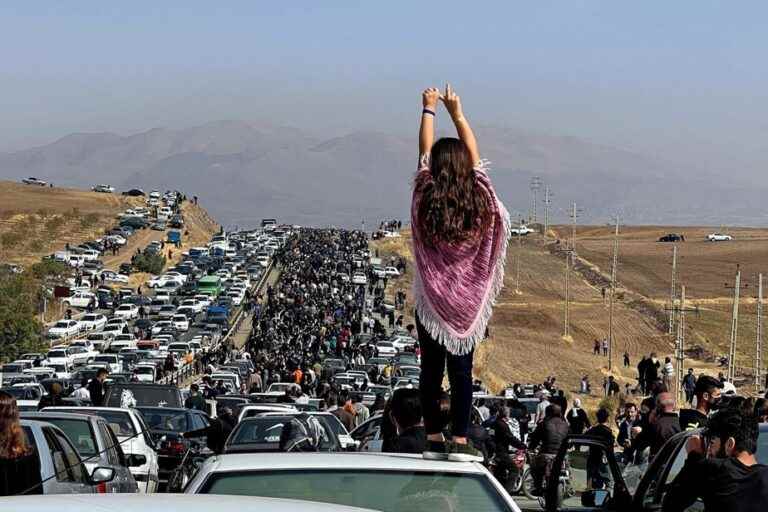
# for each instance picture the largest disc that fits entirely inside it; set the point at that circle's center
(527, 342)
(245, 171)
(36, 221)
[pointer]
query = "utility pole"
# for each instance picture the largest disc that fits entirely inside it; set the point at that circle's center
(517, 263)
(613, 294)
(547, 201)
(574, 216)
(759, 341)
(680, 346)
(734, 327)
(672, 293)
(566, 320)
(535, 186)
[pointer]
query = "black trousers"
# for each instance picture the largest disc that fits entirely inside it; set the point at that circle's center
(434, 358)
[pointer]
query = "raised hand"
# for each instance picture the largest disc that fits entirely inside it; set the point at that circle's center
(452, 102)
(430, 97)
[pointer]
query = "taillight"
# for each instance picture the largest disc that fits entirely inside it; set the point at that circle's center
(101, 488)
(173, 447)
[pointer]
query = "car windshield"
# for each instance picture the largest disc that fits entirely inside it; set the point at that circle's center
(105, 359)
(80, 433)
(57, 353)
(166, 419)
(387, 491)
(144, 395)
(263, 430)
(762, 447)
(62, 325)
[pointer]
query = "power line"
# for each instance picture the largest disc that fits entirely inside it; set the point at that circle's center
(734, 326)
(547, 202)
(672, 293)
(759, 338)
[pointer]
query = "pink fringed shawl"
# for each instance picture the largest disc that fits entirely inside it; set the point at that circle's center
(456, 285)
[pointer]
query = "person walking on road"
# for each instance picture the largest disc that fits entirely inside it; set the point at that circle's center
(460, 234)
(96, 388)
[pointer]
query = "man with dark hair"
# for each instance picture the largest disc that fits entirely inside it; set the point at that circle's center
(344, 403)
(708, 392)
(405, 412)
(598, 473)
(506, 433)
(195, 399)
(689, 385)
(549, 435)
(96, 388)
(721, 468)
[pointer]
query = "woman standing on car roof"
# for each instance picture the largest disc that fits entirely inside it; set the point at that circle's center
(19, 464)
(460, 233)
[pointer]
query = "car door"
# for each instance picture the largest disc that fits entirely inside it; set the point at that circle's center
(71, 476)
(124, 481)
(585, 476)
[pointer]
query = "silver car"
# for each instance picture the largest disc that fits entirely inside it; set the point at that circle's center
(61, 468)
(97, 445)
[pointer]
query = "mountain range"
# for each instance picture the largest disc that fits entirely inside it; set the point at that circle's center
(245, 171)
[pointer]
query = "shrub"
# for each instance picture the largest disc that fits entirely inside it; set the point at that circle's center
(53, 224)
(11, 239)
(89, 220)
(151, 263)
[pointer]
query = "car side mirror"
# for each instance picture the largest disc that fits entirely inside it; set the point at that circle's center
(135, 460)
(102, 475)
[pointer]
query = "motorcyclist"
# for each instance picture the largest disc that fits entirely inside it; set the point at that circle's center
(548, 437)
(506, 433)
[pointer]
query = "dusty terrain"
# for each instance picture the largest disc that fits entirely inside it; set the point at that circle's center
(527, 328)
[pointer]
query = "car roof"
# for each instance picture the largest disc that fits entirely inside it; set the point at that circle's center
(166, 503)
(357, 461)
(59, 414)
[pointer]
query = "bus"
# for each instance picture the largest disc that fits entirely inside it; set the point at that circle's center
(209, 285)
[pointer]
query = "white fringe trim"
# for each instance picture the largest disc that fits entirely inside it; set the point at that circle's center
(435, 326)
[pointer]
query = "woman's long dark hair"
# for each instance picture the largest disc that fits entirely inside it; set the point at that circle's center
(13, 441)
(451, 208)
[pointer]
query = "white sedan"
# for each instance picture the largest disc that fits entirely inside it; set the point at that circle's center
(391, 272)
(93, 321)
(359, 279)
(113, 277)
(393, 481)
(719, 237)
(180, 322)
(386, 349)
(65, 329)
(127, 311)
(160, 281)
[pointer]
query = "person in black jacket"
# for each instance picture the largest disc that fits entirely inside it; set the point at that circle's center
(96, 388)
(506, 433)
(577, 418)
(663, 424)
(721, 468)
(549, 436)
(217, 432)
(598, 473)
(52, 399)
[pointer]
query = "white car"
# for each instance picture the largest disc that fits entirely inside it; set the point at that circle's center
(87, 346)
(391, 272)
(108, 361)
(194, 304)
(386, 349)
(385, 481)
(122, 341)
(204, 301)
(719, 237)
(113, 277)
(237, 297)
(182, 278)
(359, 278)
(112, 329)
(379, 272)
(159, 326)
(180, 322)
(145, 372)
(127, 311)
(116, 239)
(58, 355)
(105, 189)
(80, 299)
(402, 342)
(93, 321)
(522, 230)
(34, 181)
(159, 281)
(65, 329)
(128, 426)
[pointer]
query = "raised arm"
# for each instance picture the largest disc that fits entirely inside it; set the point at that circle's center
(429, 99)
(453, 106)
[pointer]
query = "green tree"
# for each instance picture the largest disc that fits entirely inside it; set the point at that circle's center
(20, 329)
(152, 263)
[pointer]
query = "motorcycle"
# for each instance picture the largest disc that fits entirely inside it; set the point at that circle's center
(510, 477)
(564, 487)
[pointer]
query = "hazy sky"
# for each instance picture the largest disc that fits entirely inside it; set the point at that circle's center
(685, 80)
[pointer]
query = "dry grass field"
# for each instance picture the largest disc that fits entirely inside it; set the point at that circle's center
(527, 341)
(35, 221)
